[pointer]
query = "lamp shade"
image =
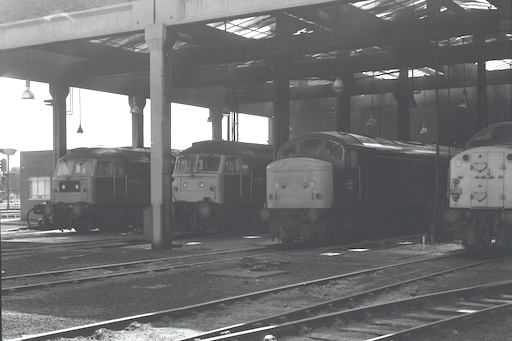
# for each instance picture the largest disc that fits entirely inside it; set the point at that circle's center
(27, 94)
(338, 85)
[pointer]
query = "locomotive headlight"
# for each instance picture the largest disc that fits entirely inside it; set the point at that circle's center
(319, 196)
(283, 185)
(185, 185)
(455, 196)
(509, 157)
(201, 184)
(465, 157)
(305, 185)
(271, 196)
(455, 181)
(212, 188)
(78, 210)
(205, 210)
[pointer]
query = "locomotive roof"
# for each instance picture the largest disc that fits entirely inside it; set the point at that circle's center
(252, 150)
(495, 134)
(126, 153)
(356, 141)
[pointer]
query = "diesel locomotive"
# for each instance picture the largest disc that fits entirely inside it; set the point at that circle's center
(104, 188)
(219, 186)
(480, 190)
(329, 185)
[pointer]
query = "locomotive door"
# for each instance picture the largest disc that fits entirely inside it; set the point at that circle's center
(119, 182)
(246, 181)
(487, 180)
(232, 180)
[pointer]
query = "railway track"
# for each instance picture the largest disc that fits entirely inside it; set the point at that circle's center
(83, 245)
(266, 325)
(387, 321)
(72, 277)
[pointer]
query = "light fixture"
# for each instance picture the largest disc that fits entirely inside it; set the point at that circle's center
(371, 121)
(424, 129)
(412, 102)
(338, 85)
(80, 130)
(27, 94)
(135, 109)
(464, 104)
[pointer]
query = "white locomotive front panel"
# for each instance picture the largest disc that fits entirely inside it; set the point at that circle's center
(299, 184)
(480, 197)
(480, 178)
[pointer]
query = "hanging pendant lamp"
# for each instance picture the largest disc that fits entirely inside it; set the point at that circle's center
(371, 121)
(424, 129)
(80, 130)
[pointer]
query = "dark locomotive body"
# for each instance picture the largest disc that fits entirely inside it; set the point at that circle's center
(334, 184)
(219, 186)
(480, 190)
(104, 188)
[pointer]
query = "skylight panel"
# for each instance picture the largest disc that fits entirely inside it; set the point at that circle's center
(495, 65)
(475, 4)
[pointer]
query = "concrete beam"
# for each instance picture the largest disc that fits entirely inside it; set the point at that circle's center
(130, 17)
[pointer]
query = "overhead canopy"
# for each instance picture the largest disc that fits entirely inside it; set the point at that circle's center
(217, 46)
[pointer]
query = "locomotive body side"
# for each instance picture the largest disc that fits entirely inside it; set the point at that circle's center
(219, 186)
(480, 190)
(103, 188)
(348, 186)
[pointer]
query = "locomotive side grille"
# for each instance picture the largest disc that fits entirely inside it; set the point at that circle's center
(69, 186)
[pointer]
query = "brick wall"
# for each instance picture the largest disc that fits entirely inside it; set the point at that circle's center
(18, 10)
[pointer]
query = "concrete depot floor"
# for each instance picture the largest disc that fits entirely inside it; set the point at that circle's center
(65, 306)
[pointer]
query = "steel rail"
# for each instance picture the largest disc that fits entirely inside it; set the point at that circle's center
(328, 305)
(367, 312)
(120, 323)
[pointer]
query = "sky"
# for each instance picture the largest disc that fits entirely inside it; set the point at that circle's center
(27, 125)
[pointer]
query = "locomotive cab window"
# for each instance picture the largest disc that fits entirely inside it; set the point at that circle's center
(119, 167)
(64, 168)
(231, 164)
(334, 150)
(104, 168)
(83, 167)
(208, 163)
(310, 147)
(288, 151)
(502, 136)
(184, 164)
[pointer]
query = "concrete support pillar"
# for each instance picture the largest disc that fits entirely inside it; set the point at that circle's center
(481, 87)
(161, 180)
(59, 93)
(137, 120)
(403, 96)
(216, 120)
(343, 107)
(281, 68)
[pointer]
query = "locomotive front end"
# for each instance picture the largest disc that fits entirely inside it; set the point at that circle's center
(71, 194)
(299, 191)
(480, 197)
(197, 191)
